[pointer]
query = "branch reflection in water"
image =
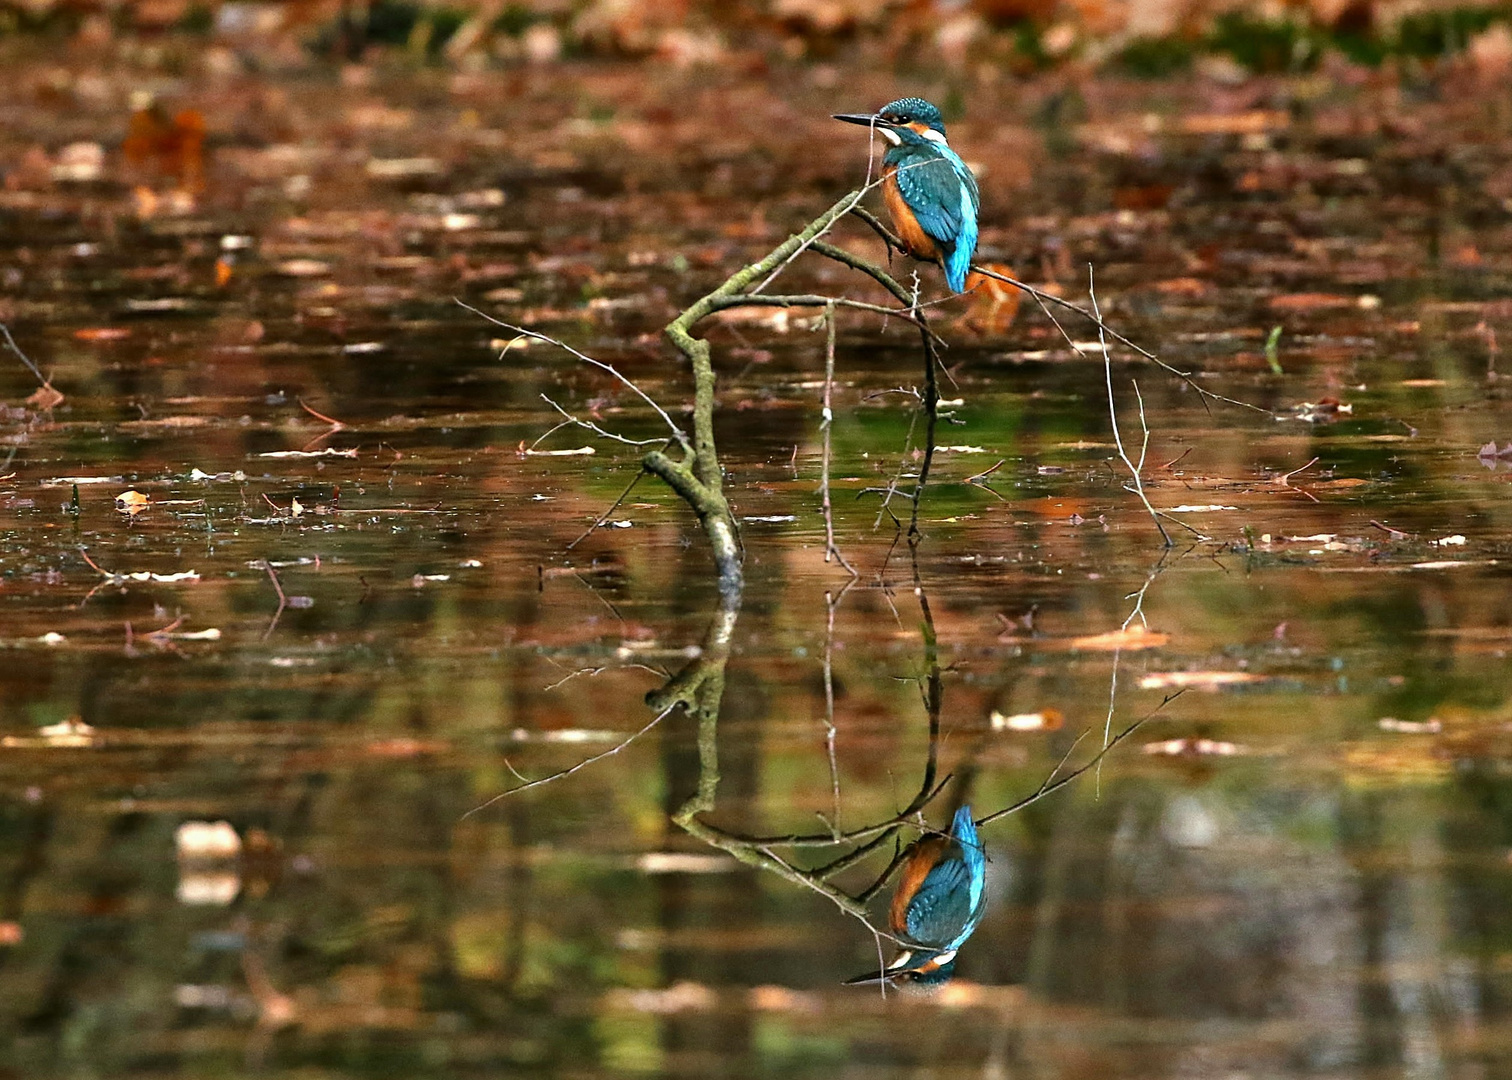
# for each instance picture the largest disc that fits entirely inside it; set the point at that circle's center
(941, 893)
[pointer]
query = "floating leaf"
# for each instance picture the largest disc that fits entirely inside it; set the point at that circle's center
(1198, 680)
(132, 502)
(45, 397)
(206, 840)
(1195, 748)
(1044, 720)
(70, 732)
(1431, 726)
(1137, 636)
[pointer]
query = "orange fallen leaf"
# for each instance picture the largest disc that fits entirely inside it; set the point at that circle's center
(175, 145)
(1183, 286)
(222, 272)
(1341, 482)
(132, 502)
(45, 397)
(1137, 636)
(102, 333)
(1253, 122)
(10, 933)
(994, 303)
(1312, 301)
(404, 747)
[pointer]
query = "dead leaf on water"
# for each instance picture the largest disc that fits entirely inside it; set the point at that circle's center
(1045, 720)
(206, 840)
(1252, 122)
(299, 268)
(1196, 680)
(70, 733)
(132, 502)
(684, 862)
(1129, 638)
(45, 397)
(679, 997)
(328, 452)
(1195, 748)
(1313, 301)
(1431, 726)
(101, 333)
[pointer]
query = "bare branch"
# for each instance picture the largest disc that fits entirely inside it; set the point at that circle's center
(677, 432)
(563, 773)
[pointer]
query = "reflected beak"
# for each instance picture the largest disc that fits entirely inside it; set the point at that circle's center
(900, 963)
(864, 119)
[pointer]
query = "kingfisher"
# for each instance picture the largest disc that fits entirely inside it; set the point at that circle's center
(929, 191)
(938, 903)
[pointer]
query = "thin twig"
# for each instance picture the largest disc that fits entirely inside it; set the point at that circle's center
(283, 601)
(613, 507)
(1185, 376)
(831, 602)
(1284, 480)
(11, 344)
(562, 774)
(1049, 788)
(589, 425)
(830, 547)
(678, 432)
(1135, 470)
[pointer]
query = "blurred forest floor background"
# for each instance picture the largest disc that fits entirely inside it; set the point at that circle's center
(1143, 37)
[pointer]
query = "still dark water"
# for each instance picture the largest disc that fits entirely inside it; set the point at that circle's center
(1300, 867)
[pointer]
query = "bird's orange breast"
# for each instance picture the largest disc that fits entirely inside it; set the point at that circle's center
(922, 858)
(919, 243)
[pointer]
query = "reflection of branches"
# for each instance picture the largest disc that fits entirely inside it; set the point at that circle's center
(831, 602)
(283, 601)
(1134, 469)
(831, 549)
(564, 773)
(1051, 784)
(699, 689)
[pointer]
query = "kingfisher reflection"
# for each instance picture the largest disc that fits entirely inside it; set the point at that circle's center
(937, 905)
(940, 897)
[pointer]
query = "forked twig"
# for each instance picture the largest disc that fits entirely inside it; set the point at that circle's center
(520, 331)
(564, 773)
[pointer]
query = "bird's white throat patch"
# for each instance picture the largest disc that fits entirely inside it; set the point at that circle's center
(891, 136)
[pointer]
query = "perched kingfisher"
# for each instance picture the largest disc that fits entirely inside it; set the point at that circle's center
(929, 191)
(937, 906)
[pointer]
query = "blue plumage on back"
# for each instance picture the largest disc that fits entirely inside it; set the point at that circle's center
(948, 905)
(939, 902)
(934, 206)
(942, 193)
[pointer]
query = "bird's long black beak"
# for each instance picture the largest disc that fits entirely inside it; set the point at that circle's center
(869, 977)
(864, 119)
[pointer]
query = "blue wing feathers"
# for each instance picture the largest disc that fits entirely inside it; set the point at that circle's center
(942, 193)
(948, 905)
